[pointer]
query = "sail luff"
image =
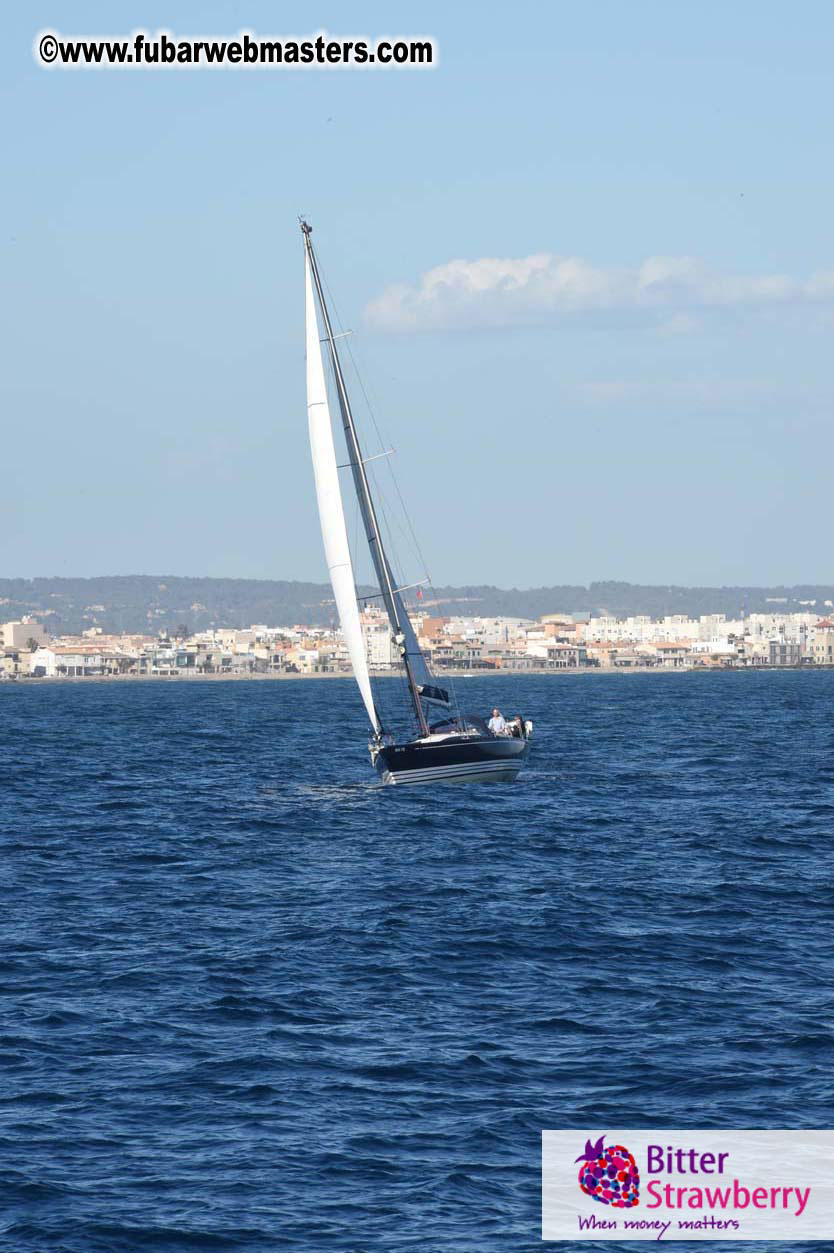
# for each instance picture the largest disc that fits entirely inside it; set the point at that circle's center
(331, 510)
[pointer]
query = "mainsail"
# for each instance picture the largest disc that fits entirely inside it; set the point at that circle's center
(421, 683)
(331, 511)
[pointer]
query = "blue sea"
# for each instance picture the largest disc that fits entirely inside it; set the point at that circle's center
(253, 1001)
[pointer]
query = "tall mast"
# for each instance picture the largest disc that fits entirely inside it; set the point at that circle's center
(363, 492)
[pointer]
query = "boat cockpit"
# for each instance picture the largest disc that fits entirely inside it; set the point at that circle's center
(474, 725)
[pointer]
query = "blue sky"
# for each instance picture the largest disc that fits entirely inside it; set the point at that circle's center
(651, 400)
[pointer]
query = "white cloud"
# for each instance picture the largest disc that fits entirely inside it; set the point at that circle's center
(496, 291)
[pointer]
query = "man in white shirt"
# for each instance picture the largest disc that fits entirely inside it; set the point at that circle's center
(496, 724)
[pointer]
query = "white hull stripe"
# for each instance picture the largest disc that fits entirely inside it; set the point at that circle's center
(500, 769)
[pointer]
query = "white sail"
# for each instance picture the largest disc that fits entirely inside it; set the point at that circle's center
(331, 512)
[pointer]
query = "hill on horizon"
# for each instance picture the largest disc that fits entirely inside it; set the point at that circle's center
(150, 603)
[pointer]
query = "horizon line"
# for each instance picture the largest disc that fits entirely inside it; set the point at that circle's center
(323, 582)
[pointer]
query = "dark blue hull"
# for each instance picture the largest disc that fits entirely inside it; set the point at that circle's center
(454, 759)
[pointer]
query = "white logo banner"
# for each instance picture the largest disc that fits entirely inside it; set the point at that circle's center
(687, 1185)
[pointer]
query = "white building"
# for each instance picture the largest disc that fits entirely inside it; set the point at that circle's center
(379, 643)
(66, 662)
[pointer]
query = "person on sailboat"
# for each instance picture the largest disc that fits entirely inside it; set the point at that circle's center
(496, 724)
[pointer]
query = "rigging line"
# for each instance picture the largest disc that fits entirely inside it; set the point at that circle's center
(382, 498)
(369, 406)
(407, 531)
(354, 555)
(346, 334)
(415, 543)
(388, 515)
(356, 548)
(396, 527)
(405, 588)
(393, 525)
(346, 465)
(398, 524)
(356, 371)
(394, 561)
(365, 460)
(393, 604)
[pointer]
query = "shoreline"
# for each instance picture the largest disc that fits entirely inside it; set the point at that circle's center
(186, 679)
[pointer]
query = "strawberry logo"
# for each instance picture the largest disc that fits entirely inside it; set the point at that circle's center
(609, 1175)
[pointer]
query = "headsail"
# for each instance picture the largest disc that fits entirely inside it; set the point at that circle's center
(331, 511)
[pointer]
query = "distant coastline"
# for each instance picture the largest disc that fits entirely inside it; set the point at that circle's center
(125, 604)
(185, 680)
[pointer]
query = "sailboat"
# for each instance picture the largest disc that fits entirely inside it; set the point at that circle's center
(439, 743)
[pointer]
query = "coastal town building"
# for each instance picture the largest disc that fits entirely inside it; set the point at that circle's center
(554, 642)
(22, 634)
(379, 644)
(822, 647)
(69, 661)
